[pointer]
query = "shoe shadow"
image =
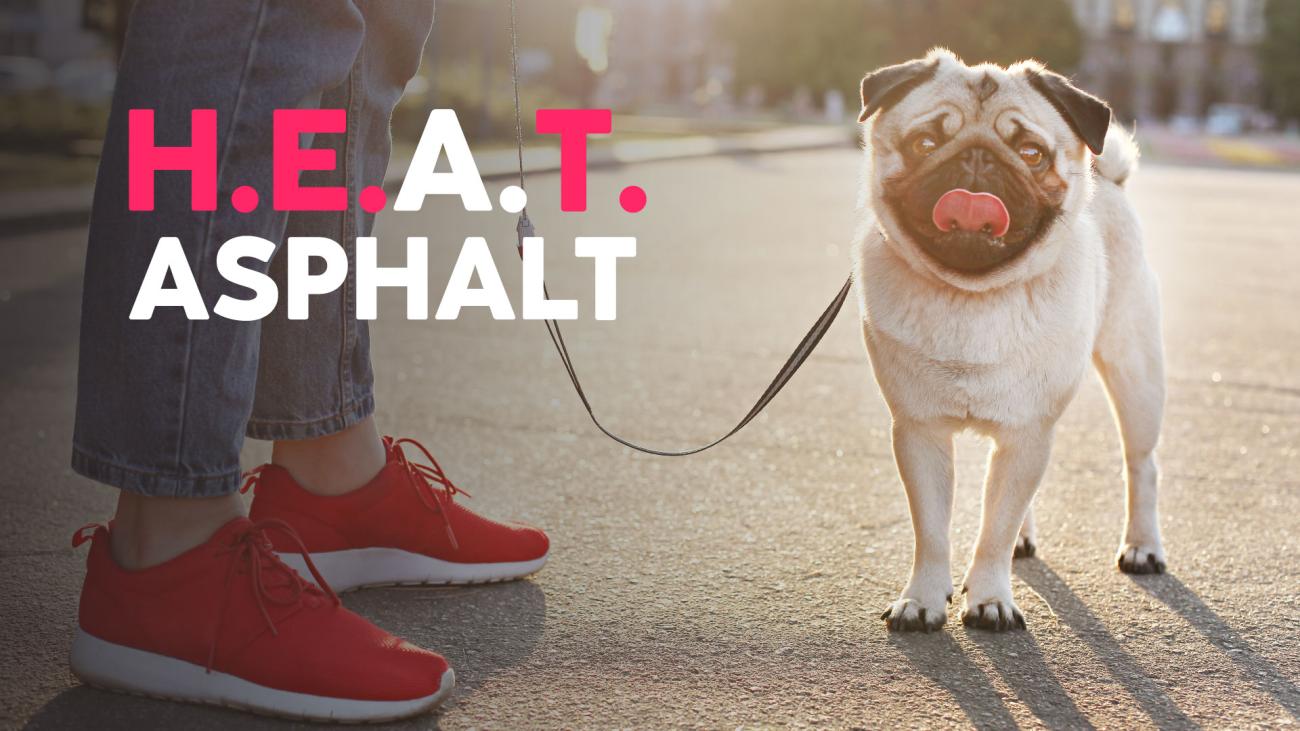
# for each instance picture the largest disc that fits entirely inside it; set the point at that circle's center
(1085, 625)
(481, 630)
(86, 707)
(938, 657)
(1256, 670)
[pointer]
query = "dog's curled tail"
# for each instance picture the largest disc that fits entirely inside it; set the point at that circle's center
(1119, 157)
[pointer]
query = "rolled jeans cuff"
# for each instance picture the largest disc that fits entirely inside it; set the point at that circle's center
(280, 430)
(152, 482)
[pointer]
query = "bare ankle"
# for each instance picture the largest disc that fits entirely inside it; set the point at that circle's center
(336, 463)
(148, 531)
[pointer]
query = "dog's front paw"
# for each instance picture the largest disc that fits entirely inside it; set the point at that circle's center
(1139, 558)
(911, 615)
(990, 608)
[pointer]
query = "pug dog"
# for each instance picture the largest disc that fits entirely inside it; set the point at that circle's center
(998, 254)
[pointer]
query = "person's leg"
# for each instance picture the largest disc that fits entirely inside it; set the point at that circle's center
(367, 513)
(162, 403)
(334, 464)
(150, 530)
(315, 384)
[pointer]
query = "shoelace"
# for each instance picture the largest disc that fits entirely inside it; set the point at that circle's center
(251, 477)
(431, 484)
(253, 549)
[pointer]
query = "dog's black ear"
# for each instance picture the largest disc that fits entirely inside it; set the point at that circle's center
(1087, 115)
(885, 86)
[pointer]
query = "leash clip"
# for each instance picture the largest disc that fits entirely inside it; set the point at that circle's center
(524, 229)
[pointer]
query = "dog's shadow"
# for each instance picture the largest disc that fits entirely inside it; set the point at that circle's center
(1019, 661)
(941, 659)
(481, 630)
(1128, 675)
(1255, 668)
(1170, 591)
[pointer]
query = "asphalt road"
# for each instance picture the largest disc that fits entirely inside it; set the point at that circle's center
(743, 586)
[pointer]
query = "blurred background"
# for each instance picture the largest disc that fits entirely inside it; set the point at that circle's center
(1204, 80)
(741, 587)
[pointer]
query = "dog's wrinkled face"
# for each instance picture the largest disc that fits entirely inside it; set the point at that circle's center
(973, 167)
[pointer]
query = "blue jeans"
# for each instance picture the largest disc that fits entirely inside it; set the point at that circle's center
(163, 405)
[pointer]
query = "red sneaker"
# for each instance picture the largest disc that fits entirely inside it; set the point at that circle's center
(228, 624)
(403, 527)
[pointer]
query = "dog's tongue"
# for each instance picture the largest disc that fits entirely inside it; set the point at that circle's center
(967, 211)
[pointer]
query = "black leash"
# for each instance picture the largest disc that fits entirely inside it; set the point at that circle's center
(792, 364)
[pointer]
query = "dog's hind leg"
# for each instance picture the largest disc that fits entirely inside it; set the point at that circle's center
(924, 456)
(1130, 359)
(1027, 542)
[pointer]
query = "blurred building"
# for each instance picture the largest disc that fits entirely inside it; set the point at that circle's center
(664, 54)
(52, 31)
(1172, 60)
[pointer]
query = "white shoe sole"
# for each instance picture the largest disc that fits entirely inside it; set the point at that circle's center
(360, 567)
(115, 667)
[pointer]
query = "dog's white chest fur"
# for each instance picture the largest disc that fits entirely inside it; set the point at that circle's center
(1011, 356)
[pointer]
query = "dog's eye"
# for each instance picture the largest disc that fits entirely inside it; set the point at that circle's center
(923, 144)
(1032, 154)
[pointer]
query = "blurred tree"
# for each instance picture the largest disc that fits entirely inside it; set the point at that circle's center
(782, 46)
(468, 59)
(828, 44)
(1279, 57)
(976, 30)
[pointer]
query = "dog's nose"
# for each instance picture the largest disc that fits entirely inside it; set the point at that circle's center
(977, 163)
